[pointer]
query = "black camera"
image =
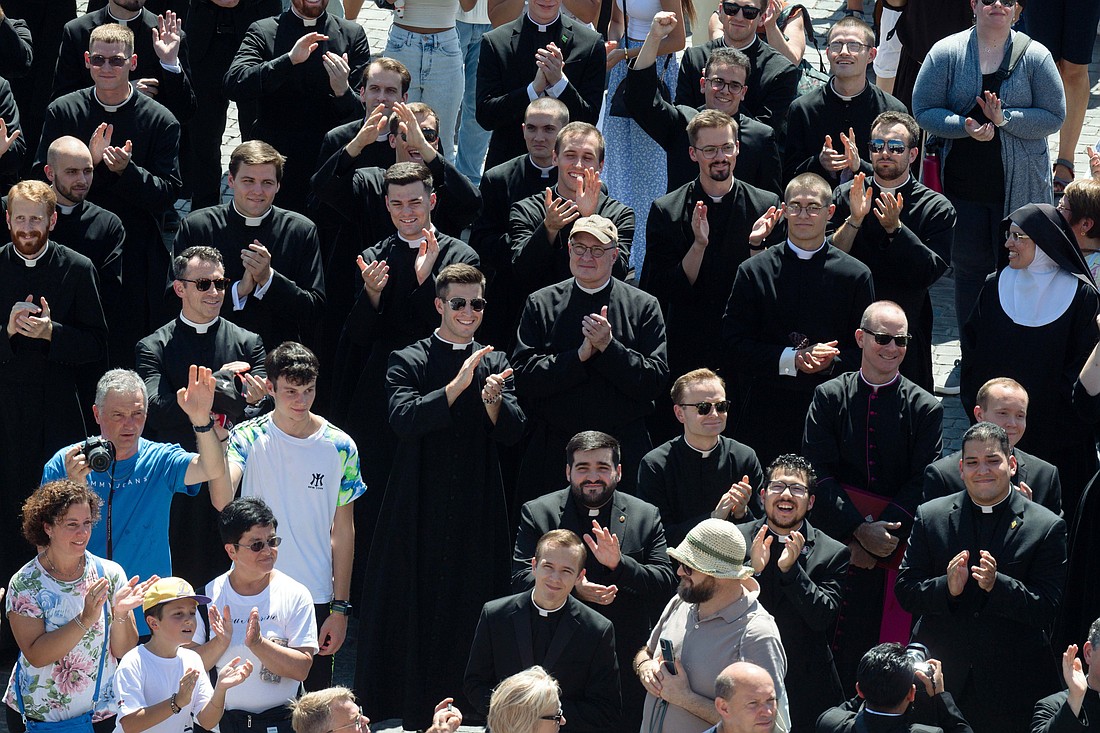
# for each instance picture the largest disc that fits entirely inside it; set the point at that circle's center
(99, 453)
(919, 655)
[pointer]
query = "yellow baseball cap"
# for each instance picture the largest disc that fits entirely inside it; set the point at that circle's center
(170, 589)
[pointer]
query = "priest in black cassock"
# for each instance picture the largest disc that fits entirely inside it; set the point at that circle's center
(272, 255)
(395, 308)
(198, 335)
(55, 327)
(869, 435)
(790, 320)
(134, 143)
(901, 229)
(590, 355)
(451, 403)
(293, 66)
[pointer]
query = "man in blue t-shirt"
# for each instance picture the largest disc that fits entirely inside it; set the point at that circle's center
(138, 486)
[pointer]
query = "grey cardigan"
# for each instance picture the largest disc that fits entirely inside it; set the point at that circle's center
(1034, 104)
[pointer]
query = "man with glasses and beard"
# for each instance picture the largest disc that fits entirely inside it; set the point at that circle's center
(627, 572)
(869, 435)
(800, 570)
(714, 620)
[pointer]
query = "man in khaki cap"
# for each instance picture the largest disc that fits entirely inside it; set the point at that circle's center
(713, 621)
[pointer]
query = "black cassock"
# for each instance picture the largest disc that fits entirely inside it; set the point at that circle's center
(613, 391)
(38, 377)
(1082, 606)
(293, 303)
(423, 595)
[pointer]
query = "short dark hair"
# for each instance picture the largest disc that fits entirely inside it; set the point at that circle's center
(406, 173)
(793, 463)
(885, 676)
(1094, 633)
(388, 64)
(293, 362)
(49, 503)
(591, 440)
(581, 129)
(809, 183)
(891, 118)
(562, 538)
(726, 56)
(711, 118)
(551, 106)
(458, 274)
(256, 152)
(985, 432)
(241, 515)
(205, 254)
(853, 23)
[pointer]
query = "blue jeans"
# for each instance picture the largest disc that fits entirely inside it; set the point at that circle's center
(974, 251)
(473, 139)
(434, 61)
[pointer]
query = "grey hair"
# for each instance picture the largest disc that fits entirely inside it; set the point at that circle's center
(120, 380)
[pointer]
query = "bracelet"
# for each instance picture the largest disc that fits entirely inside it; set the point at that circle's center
(204, 428)
(848, 222)
(492, 401)
(757, 247)
(80, 624)
(341, 607)
(172, 702)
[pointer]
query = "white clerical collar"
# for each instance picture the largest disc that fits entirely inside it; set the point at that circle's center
(801, 253)
(703, 453)
(415, 243)
(876, 387)
(66, 210)
(891, 189)
(30, 261)
(121, 21)
(307, 22)
(544, 171)
(885, 715)
(113, 107)
(543, 28)
(832, 85)
(199, 327)
(454, 345)
(251, 221)
(989, 509)
(592, 291)
(544, 612)
(786, 537)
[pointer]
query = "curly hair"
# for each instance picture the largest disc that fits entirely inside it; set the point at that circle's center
(48, 504)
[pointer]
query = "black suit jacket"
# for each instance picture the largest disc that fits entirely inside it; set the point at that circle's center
(581, 658)
(942, 478)
(1053, 715)
(503, 74)
(925, 715)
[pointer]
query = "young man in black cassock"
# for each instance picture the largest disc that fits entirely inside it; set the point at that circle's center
(590, 355)
(789, 321)
(134, 142)
(907, 241)
(272, 255)
(451, 403)
(869, 435)
(293, 67)
(723, 82)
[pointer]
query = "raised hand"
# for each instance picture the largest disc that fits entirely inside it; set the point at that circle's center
(764, 226)
(957, 573)
(257, 262)
(560, 213)
(888, 210)
(305, 46)
(447, 717)
(100, 141)
(551, 62)
(426, 257)
(116, 159)
(860, 199)
(221, 624)
(5, 139)
(465, 376)
(375, 275)
(700, 227)
(186, 688)
(166, 38)
(494, 387)
(851, 150)
(371, 130)
(131, 595)
(337, 68)
(792, 548)
(830, 159)
(588, 191)
(252, 635)
(604, 546)
(663, 24)
(1076, 679)
(985, 572)
(761, 550)
(233, 674)
(197, 397)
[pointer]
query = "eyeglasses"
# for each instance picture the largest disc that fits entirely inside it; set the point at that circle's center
(1062, 207)
(795, 210)
(710, 152)
(429, 134)
(1005, 3)
(477, 304)
(358, 723)
(703, 408)
(902, 340)
(718, 84)
(203, 283)
(1017, 236)
(853, 46)
(579, 250)
(778, 487)
(98, 60)
(259, 545)
(895, 147)
(750, 12)
(686, 569)
(556, 718)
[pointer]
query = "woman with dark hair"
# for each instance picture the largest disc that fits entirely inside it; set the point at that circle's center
(1034, 322)
(71, 614)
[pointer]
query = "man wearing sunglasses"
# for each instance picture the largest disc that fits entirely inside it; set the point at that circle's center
(453, 407)
(870, 435)
(901, 229)
(772, 82)
(826, 126)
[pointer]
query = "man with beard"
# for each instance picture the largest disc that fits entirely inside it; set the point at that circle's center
(627, 573)
(800, 570)
(549, 627)
(55, 326)
(714, 620)
(906, 242)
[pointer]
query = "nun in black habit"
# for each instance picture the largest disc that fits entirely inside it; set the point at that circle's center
(1034, 322)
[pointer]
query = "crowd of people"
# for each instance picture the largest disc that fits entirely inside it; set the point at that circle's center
(532, 233)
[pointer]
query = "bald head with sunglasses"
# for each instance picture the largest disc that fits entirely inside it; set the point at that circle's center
(883, 337)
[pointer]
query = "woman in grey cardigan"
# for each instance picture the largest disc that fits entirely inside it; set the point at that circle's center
(958, 97)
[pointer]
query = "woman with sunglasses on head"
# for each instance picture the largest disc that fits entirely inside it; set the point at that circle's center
(71, 614)
(527, 702)
(1033, 322)
(995, 156)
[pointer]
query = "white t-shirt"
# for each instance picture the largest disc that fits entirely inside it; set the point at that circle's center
(286, 618)
(144, 679)
(303, 480)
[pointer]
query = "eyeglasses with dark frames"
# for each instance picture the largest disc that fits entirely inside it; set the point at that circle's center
(580, 250)
(703, 408)
(98, 60)
(203, 283)
(750, 12)
(556, 718)
(710, 152)
(901, 339)
(778, 487)
(429, 134)
(718, 84)
(477, 304)
(894, 147)
(259, 545)
(358, 723)
(852, 46)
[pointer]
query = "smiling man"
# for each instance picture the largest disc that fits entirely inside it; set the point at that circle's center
(451, 404)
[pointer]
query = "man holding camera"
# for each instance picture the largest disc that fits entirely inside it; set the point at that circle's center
(898, 690)
(136, 478)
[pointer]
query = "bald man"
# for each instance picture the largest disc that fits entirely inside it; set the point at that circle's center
(745, 699)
